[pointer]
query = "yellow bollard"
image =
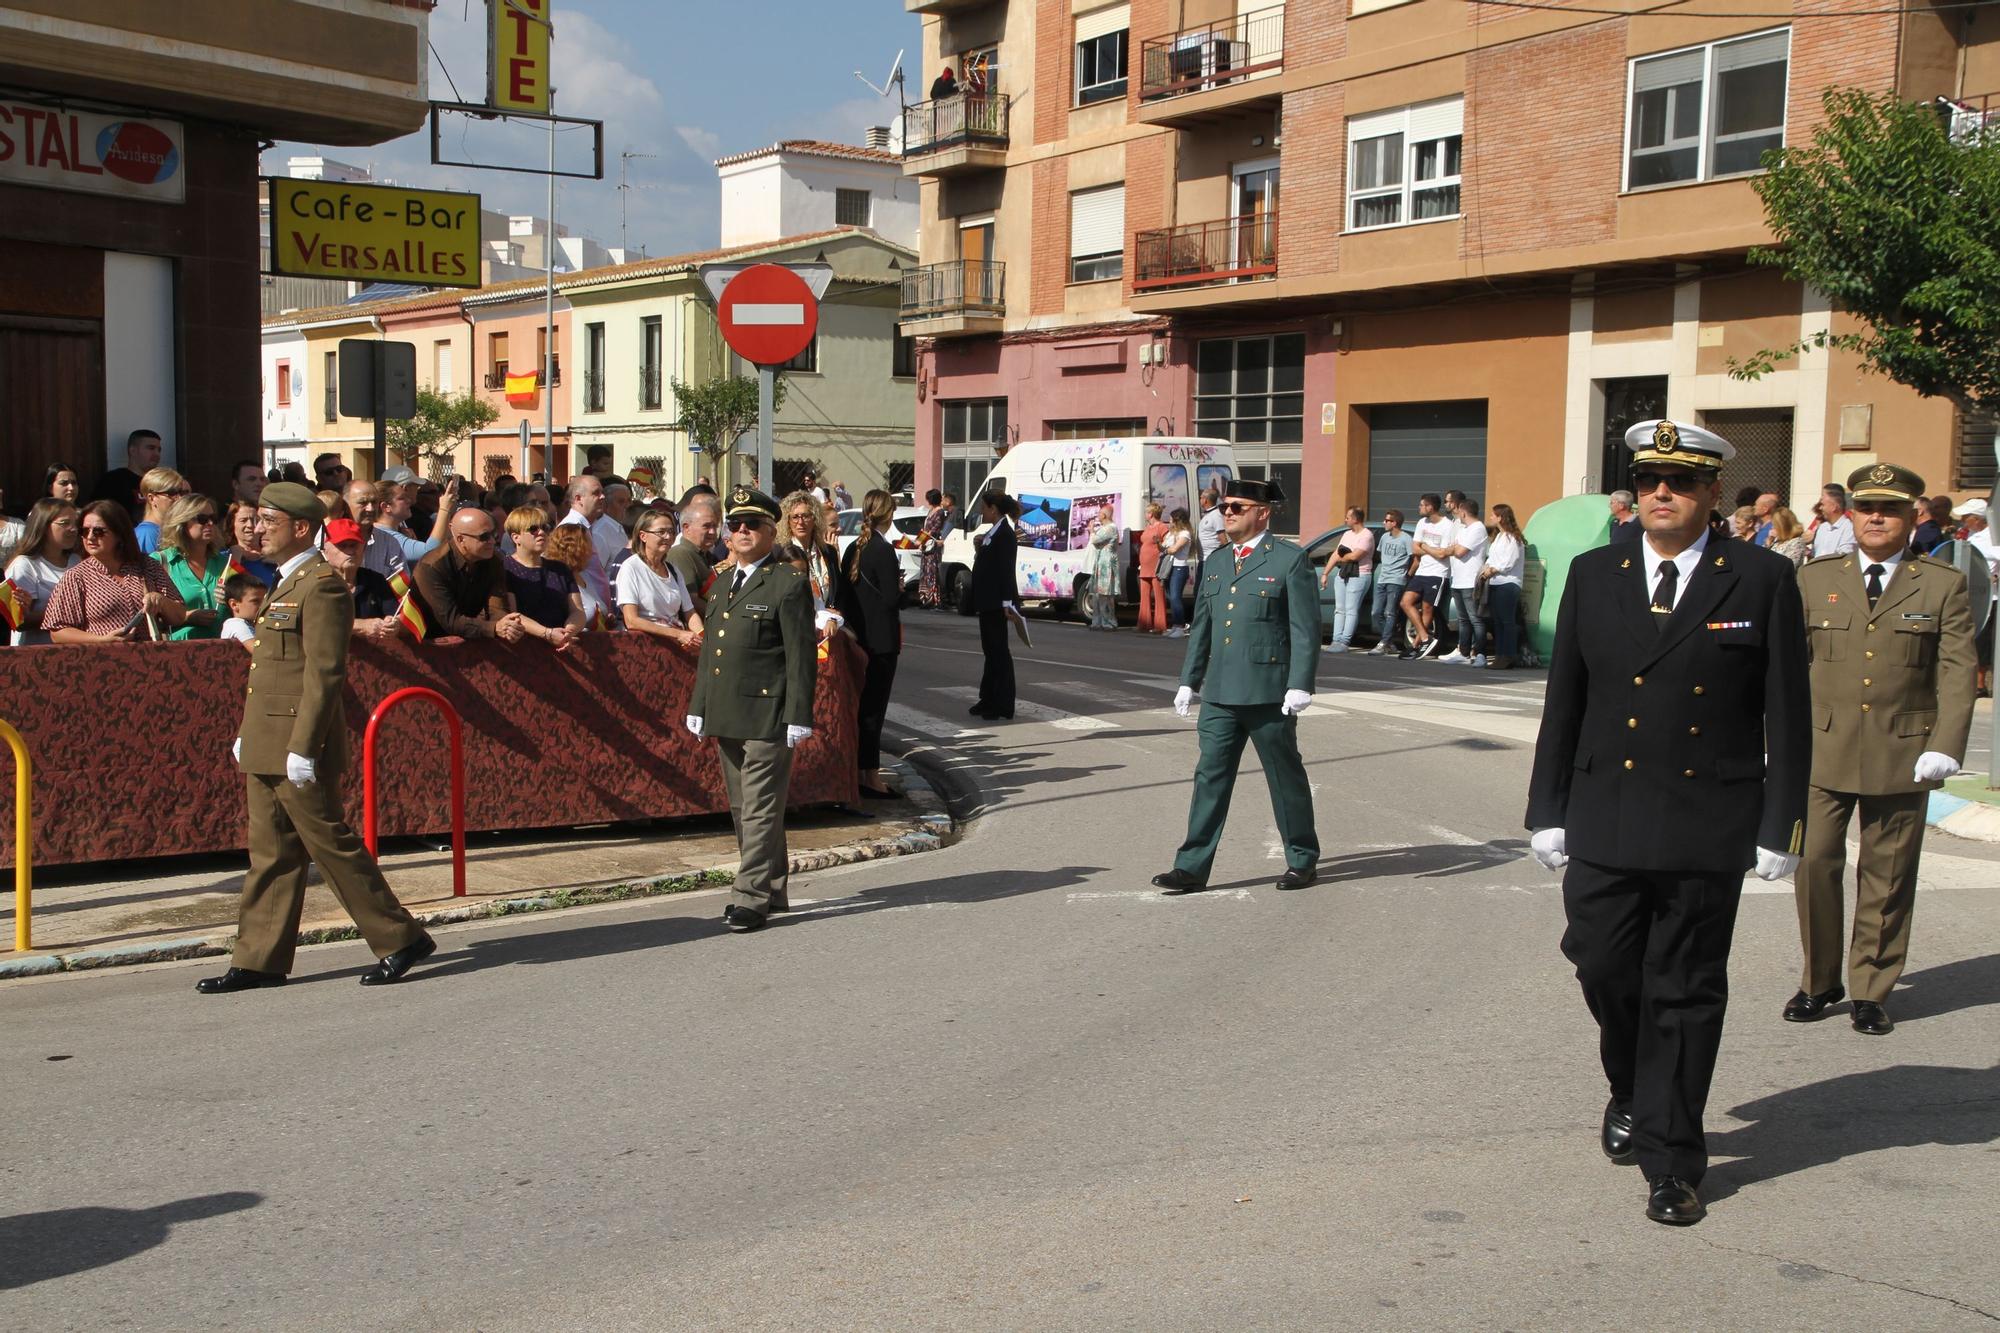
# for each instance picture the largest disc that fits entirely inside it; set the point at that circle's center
(24, 837)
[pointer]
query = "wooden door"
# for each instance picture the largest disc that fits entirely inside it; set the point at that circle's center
(51, 403)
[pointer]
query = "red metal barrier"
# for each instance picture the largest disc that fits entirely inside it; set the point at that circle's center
(457, 777)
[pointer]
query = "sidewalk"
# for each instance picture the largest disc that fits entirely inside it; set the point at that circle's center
(115, 913)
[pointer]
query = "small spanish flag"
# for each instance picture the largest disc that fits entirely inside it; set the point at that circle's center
(521, 388)
(399, 583)
(411, 616)
(823, 652)
(235, 566)
(640, 476)
(13, 606)
(598, 621)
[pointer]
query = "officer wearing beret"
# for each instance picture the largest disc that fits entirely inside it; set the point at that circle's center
(1252, 648)
(1672, 758)
(753, 695)
(1893, 662)
(292, 750)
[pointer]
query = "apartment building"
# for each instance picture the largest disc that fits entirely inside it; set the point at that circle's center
(805, 185)
(1391, 246)
(128, 186)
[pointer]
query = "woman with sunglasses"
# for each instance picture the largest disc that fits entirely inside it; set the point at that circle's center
(542, 590)
(47, 549)
(193, 558)
(106, 597)
(651, 597)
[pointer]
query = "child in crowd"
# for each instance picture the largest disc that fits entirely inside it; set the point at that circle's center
(245, 595)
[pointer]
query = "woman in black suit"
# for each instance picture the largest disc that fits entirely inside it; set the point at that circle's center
(871, 593)
(994, 589)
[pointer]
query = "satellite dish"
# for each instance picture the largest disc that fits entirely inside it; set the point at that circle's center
(895, 79)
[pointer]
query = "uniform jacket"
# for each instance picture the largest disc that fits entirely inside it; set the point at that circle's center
(758, 665)
(1887, 683)
(1676, 748)
(1255, 632)
(994, 582)
(695, 569)
(872, 596)
(298, 672)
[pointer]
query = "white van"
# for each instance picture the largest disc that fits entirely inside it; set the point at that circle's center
(1062, 484)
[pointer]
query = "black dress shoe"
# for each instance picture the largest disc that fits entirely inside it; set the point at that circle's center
(978, 709)
(236, 979)
(1178, 881)
(1298, 879)
(1804, 1008)
(881, 793)
(1871, 1019)
(1615, 1136)
(1671, 1200)
(741, 920)
(391, 969)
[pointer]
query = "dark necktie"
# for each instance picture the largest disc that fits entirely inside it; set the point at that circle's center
(1663, 592)
(736, 585)
(1875, 573)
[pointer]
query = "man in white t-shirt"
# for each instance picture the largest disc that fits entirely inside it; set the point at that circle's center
(1468, 556)
(1208, 529)
(1430, 543)
(1835, 533)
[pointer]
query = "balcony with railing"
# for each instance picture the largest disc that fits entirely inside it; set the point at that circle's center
(951, 135)
(1219, 69)
(496, 378)
(954, 299)
(941, 6)
(1206, 254)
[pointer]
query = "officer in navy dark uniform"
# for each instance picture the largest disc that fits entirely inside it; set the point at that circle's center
(1673, 757)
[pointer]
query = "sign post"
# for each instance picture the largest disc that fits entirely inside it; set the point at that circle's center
(768, 314)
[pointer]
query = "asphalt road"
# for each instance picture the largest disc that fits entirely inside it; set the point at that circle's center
(1007, 1086)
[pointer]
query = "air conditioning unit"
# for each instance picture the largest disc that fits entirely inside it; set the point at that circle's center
(1208, 59)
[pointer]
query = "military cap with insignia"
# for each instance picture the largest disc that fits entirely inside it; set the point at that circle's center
(1660, 441)
(1884, 481)
(750, 500)
(1257, 492)
(288, 497)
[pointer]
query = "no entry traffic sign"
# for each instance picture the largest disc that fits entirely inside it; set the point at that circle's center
(768, 314)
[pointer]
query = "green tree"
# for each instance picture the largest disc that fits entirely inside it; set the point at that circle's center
(717, 413)
(443, 423)
(1898, 223)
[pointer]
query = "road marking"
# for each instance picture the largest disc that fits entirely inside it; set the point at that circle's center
(1024, 708)
(1507, 725)
(928, 725)
(1451, 837)
(1155, 896)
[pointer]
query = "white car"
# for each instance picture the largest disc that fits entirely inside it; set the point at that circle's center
(909, 524)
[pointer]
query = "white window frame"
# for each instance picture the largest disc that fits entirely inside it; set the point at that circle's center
(1705, 138)
(1102, 265)
(1397, 122)
(1090, 29)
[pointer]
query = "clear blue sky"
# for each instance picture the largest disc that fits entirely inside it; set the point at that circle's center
(686, 80)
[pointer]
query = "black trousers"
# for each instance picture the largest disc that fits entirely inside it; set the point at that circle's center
(1651, 950)
(876, 683)
(996, 682)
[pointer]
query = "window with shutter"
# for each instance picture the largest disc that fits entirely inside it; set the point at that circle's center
(1707, 111)
(1097, 234)
(1403, 164)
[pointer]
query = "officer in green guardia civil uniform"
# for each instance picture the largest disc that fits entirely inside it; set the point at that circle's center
(1252, 649)
(1893, 664)
(292, 749)
(753, 695)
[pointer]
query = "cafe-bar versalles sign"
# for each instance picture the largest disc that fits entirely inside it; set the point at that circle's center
(374, 233)
(136, 157)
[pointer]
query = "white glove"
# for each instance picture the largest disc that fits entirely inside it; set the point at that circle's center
(1295, 703)
(693, 725)
(1551, 848)
(1774, 865)
(236, 750)
(300, 770)
(1935, 767)
(1184, 700)
(793, 735)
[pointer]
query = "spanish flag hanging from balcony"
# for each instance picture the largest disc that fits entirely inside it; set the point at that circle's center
(13, 606)
(411, 616)
(521, 388)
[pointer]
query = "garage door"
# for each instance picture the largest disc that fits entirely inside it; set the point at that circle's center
(1418, 447)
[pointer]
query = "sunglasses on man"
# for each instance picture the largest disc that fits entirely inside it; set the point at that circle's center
(1680, 483)
(754, 522)
(1239, 506)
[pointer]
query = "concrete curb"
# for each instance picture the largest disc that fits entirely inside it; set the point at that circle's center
(1964, 819)
(924, 832)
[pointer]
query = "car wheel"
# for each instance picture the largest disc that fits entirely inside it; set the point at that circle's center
(961, 591)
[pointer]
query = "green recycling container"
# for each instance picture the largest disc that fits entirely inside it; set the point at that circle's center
(1557, 533)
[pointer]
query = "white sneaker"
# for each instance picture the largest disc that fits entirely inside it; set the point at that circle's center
(1480, 660)
(1336, 648)
(1381, 649)
(1177, 632)
(1455, 658)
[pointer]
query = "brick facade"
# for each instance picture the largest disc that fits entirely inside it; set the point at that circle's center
(1049, 271)
(1315, 31)
(1313, 172)
(1052, 70)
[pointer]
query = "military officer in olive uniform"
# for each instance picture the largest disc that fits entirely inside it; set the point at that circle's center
(1672, 758)
(292, 749)
(1893, 666)
(753, 695)
(1252, 648)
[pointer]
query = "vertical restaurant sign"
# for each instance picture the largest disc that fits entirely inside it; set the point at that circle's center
(92, 151)
(374, 233)
(517, 46)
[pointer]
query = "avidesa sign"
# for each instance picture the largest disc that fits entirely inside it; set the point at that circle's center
(373, 233)
(92, 151)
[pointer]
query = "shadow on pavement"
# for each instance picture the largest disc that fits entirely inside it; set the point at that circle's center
(1429, 861)
(627, 936)
(1972, 983)
(1903, 1106)
(35, 1247)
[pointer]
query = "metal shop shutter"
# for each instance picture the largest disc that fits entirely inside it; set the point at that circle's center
(1419, 447)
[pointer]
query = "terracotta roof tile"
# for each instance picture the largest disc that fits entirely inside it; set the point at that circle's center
(814, 148)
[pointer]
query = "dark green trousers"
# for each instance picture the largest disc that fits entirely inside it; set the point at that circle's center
(1223, 731)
